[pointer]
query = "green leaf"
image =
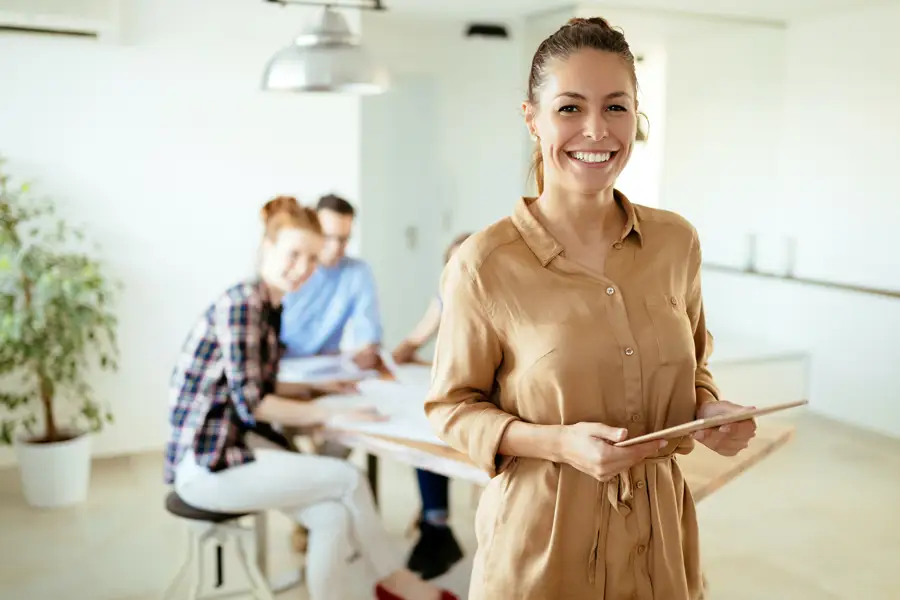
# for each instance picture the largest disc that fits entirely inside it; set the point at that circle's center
(7, 431)
(29, 423)
(57, 320)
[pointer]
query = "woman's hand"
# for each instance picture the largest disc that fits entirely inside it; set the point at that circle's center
(729, 439)
(336, 387)
(588, 448)
(404, 353)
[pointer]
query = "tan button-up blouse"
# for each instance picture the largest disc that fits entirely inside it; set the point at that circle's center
(528, 334)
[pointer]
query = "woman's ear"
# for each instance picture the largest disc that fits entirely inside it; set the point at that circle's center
(528, 112)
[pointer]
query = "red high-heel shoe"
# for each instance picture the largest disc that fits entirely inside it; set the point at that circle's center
(381, 593)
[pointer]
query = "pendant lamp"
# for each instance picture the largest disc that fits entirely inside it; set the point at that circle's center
(325, 57)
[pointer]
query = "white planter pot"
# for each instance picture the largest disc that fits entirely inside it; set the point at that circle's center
(56, 474)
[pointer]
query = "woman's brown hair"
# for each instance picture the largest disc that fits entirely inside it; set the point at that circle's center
(285, 211)
(577, 34)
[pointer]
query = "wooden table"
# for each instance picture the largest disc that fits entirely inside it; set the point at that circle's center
(704, 470)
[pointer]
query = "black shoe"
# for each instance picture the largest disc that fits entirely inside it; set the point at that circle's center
(436, 551)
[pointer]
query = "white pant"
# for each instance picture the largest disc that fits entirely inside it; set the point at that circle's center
(326, 495)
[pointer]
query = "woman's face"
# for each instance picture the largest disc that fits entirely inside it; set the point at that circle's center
(289, 259)
(586, 121)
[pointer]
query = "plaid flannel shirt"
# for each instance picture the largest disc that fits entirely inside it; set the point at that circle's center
(227, 364)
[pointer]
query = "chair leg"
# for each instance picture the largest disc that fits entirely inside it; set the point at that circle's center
(261, 534)
(199, 551)
(260, 586)
(184, 573)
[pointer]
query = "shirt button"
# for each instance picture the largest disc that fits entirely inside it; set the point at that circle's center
(617, 245)
(629, 351)
(641, 549)
(640, 485)
(674, 301)
(635, 418)
(610, 291)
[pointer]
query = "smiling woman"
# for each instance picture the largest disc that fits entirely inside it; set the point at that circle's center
(602, 139)
(574, 324)
(222, 398)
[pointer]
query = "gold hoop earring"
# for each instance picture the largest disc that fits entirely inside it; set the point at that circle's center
(643, 133)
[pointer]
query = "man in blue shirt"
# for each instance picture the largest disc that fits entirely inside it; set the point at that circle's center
(342, 291)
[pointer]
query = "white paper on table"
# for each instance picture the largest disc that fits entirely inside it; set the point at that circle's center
(411, 374)
(320, 369)
(402, 404)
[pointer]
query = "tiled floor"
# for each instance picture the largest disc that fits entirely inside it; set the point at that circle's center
(819, 520)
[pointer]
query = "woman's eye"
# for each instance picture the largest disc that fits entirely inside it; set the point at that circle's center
(568, 108)
(617, 108)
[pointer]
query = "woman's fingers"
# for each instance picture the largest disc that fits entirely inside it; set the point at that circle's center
(618, 460)
(730, 439)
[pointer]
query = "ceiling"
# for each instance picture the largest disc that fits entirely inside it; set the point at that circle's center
(763, 10)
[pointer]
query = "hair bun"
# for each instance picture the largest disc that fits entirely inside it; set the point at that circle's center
(277, 205)
(590, 22)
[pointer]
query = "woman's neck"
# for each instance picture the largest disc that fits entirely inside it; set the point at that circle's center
(576, 217)
(275, 294)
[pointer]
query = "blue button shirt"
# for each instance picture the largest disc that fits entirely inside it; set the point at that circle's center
(316, 315)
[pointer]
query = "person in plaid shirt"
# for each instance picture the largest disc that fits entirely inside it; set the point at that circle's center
(223, 390)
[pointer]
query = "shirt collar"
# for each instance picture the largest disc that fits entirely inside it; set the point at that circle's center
(262, 290)
(632, 222)
(545, 246)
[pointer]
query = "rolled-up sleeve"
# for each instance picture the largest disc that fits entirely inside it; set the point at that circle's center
(704, 383)
(467, 355)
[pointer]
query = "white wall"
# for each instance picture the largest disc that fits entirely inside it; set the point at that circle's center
(166, 149)
(842, 145)
(724, 123)
(464, 133)
(480, 85)
(792, 135)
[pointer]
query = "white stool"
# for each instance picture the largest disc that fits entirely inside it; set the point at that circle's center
(220, 528)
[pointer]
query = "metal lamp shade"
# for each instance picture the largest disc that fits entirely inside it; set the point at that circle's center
(325, 58)
(323, 69)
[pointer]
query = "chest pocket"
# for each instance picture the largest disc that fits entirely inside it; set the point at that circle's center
(671, 328)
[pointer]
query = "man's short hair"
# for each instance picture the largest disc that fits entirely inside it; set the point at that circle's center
(337, 204)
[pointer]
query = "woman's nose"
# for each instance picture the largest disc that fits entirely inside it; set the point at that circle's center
(596, 128)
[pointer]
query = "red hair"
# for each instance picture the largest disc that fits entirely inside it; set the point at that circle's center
(285, 211)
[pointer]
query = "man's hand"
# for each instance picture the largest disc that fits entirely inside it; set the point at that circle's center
(367, 358)
(729, 439)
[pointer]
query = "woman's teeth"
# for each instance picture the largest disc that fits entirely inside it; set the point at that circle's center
(591, 157)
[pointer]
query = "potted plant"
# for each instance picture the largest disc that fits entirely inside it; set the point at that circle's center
(56, 329)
